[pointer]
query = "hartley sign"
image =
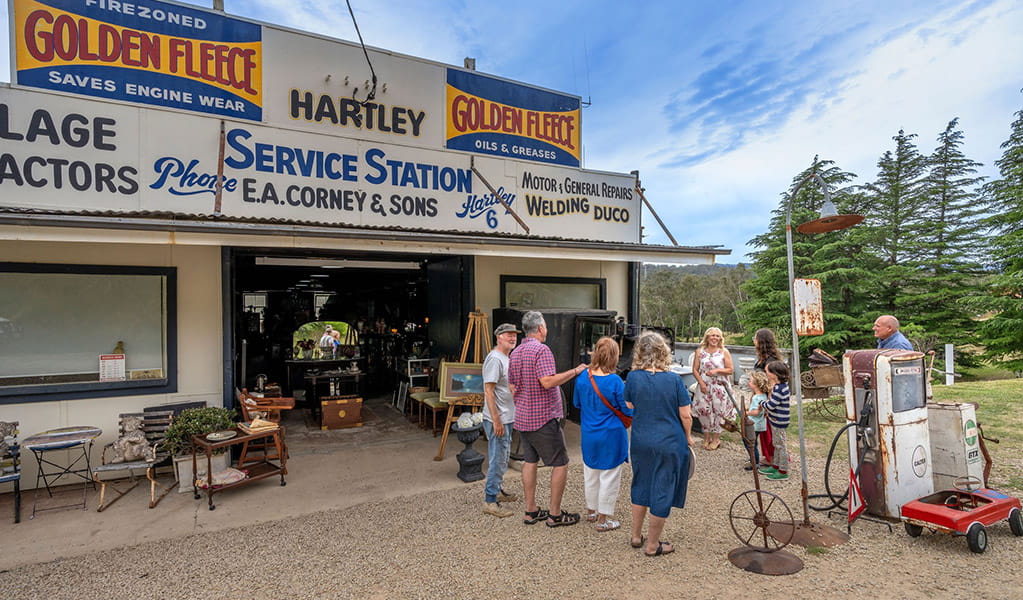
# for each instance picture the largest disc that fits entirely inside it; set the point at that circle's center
(143, 51)
(83, 155)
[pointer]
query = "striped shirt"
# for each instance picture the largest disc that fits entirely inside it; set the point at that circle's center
(534, 404)
(778, 406)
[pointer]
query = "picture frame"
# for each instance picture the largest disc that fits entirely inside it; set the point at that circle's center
(458, 380)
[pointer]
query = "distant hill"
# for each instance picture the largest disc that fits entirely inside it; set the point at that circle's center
(649, 268)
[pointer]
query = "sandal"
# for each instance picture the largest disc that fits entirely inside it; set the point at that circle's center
(609, 525)
(563, 519)
(660, 549)
(639, 544)
(536, 516)
(591, 516)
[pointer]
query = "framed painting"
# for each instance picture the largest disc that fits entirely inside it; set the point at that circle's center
(458, 380)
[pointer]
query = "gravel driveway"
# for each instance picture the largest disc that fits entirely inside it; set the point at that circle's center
(440, 545)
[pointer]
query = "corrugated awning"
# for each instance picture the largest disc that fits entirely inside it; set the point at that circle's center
(185, 230)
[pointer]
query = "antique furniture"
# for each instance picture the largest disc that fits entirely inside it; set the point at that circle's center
(10, 462)
(269, 409)
(154, 426)
(74, 438)
(340, 412)
(261, 469)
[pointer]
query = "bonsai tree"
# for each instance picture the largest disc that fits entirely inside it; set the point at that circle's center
(196, 421)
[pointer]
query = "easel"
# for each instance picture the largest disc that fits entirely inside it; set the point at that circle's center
(477, 331)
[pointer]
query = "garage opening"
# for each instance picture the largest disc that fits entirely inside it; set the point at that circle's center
(322, 326)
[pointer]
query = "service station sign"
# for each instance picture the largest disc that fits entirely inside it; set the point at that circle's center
(301, 141)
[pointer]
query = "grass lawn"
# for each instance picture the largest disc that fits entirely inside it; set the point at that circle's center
(999, 411)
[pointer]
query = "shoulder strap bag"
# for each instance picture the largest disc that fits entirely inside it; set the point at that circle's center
(626, 419)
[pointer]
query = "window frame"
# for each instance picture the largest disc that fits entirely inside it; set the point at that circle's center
(600, 282)
(21, 394)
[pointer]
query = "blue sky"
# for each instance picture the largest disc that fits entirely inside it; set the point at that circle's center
(718, 104)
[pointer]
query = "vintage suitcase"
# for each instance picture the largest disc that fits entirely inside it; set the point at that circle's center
(339, 412)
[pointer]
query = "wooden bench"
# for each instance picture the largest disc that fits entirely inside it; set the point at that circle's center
(154, 426)
(10, 462)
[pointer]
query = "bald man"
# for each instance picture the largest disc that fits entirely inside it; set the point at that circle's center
(886, 330)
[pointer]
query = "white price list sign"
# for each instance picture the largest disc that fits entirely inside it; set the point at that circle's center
(111, 367)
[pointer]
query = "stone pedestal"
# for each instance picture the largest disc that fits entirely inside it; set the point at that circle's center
(470, 462)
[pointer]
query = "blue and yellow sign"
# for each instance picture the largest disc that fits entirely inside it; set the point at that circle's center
(141, 51)
(491, 116)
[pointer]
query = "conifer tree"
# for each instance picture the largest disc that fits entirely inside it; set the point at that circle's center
(949, 237)
(828, 257)
(1003, 332)
(893, 207)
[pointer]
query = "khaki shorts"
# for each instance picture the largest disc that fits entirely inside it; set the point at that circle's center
(546, 443)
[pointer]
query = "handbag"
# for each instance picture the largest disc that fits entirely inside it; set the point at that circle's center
(626, 419)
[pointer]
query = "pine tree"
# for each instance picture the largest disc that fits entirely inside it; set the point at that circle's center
(1003, 332)
(892, 229)
(949, 236)
(828, 257)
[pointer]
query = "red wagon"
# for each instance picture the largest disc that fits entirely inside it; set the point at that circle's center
(968, 510)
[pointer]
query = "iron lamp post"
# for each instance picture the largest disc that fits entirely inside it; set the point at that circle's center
(808, 533)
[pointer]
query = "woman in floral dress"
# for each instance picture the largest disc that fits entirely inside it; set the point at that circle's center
(712, 367)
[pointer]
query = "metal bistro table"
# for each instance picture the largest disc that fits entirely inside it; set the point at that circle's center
(77, 437)
(260, 470)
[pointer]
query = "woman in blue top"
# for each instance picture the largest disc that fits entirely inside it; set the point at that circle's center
(605, 442)
(661, 440)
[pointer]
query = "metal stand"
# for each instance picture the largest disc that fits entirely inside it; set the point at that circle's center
(77, 437)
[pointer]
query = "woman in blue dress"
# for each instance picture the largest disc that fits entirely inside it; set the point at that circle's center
(605, 443)
(661, 440)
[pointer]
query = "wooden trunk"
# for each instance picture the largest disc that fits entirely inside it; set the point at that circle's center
(339, 412)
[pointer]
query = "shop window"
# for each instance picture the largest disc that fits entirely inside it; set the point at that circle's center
(64, 329)
(255, 311)
(553, 292)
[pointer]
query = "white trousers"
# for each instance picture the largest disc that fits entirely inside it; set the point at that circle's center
(601, 487)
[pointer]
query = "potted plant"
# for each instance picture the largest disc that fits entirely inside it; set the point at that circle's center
(178, 441)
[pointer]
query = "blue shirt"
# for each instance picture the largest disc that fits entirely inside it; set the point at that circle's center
(759, 421)
(605, 443)
(895, 341)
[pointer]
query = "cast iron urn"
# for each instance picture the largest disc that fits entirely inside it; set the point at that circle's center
(470, 462)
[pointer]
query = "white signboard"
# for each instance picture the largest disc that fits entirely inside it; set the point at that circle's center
(111, 367)
(83, 155)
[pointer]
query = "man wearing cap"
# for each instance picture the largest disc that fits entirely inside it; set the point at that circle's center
(538, 414)
(498, 416)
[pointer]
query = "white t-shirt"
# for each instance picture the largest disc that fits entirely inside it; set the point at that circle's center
(495, 370)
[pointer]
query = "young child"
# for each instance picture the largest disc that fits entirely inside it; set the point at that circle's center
(757, 414)
(778, 418)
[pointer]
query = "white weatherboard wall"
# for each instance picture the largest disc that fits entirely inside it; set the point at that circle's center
(199, 338)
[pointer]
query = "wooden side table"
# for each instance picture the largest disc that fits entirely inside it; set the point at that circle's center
(257, 470)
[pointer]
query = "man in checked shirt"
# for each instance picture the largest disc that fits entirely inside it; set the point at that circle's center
(538, 414)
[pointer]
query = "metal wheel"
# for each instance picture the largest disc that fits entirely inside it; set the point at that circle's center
(753, 512)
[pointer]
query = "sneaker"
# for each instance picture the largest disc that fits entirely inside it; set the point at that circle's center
(777, 476)
(495, 509)
(504, 496)
(767, 470)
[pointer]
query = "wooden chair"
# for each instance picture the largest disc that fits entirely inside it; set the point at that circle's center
(10, 462)
(154, 426)
(429, 402)
(268, 409)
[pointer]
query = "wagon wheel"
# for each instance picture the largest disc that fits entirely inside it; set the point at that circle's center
(753, 512)
(832, 409)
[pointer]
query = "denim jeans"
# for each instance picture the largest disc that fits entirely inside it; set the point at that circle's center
(498, 449)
